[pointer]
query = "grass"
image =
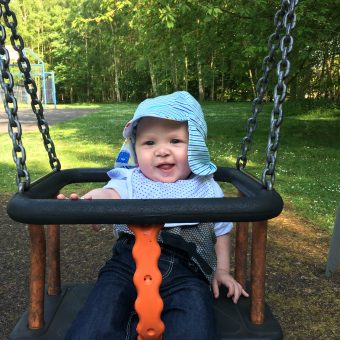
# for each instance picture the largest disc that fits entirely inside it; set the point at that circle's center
(308, 175)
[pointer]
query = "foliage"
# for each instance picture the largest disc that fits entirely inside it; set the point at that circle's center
(307, 173)
(117, 50)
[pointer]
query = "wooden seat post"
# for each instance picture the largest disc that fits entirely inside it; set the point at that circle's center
(53, 259)
(258, 271)
(258, 264)
(37, 276)
(241, 248)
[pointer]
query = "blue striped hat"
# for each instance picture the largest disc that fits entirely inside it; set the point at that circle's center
(179, 106)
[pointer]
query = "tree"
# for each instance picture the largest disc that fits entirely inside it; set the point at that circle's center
(116, 50)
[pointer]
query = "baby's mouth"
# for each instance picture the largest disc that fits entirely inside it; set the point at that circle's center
(165, 166)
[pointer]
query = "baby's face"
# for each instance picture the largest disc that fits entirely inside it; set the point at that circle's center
(162, 149)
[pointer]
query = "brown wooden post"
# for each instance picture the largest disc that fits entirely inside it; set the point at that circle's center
(53, 259)
(241, 248)
(258, 271)
(37, 276)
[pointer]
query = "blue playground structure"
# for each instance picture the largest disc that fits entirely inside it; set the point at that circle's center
(46, 80)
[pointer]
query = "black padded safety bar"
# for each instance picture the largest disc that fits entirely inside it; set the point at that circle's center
(37, 205)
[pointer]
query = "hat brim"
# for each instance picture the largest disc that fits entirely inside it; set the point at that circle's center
(128, 129)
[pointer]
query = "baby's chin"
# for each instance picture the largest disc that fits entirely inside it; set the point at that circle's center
(165, 179)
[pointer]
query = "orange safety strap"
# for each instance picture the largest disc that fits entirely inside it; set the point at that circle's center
(147, 279)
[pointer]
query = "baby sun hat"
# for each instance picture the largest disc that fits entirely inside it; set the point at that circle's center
(179, 106)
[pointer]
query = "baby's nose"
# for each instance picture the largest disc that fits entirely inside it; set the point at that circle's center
(162, 151)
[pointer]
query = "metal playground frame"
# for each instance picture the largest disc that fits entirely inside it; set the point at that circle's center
(48, 90)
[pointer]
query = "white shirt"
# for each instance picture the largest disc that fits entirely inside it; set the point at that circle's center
(132, 184)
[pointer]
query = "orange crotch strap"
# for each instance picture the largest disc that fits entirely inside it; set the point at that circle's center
(147, 280)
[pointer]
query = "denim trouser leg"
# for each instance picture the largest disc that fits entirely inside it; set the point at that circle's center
(109, 311)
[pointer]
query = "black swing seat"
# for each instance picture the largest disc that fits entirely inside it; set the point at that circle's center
(36, 206)
(232, 320)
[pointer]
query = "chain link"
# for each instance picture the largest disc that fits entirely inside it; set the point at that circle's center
(284, 17)
(280, 92)
(11, 109)
(10, 103)
(261, 88)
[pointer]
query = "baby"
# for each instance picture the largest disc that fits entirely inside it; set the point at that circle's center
(164, 156)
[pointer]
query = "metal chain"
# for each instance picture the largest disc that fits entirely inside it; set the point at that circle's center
(280, 92)
(11, 108)
(274, 42)
(29, 83)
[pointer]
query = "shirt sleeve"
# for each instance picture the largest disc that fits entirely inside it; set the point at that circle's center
(120, 186)
(221, 228)
(119, 182)
(217, 189)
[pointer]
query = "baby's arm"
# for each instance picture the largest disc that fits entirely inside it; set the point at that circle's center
(222, 273)
(100, 193)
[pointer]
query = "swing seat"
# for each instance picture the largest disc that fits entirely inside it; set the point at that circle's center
(60, 310)
(249, 319)
(35, 206)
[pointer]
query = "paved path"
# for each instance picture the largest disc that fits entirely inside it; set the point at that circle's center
(28, 119)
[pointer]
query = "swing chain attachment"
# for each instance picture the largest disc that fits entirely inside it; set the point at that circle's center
(284, 18)
(24, 65)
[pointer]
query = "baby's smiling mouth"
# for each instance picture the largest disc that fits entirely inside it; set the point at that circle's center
(165, 166)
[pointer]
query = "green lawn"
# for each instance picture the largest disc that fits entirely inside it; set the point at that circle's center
(308, 175)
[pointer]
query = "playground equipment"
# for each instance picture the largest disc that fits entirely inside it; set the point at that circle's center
(51, 312)
(46, 81)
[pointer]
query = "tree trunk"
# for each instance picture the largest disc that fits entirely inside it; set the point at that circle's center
(212, 89)
(336, 85)
(330, 82)
(174, 69)
(104, 90)
(153, 79)
(115, 59)
(117, 94)
(186, 73)
(296, 89)
(201, 93)
(293, 89)
(251, 77)
(221, 97)
(321, 85)
(87, 71)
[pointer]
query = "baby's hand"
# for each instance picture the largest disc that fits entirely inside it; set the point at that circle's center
(75, 196)
(235, 290)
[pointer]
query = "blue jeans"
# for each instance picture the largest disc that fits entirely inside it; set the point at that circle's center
(109, 311)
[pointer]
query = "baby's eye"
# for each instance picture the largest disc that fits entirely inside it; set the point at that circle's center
(149, 142)
(175, 141)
